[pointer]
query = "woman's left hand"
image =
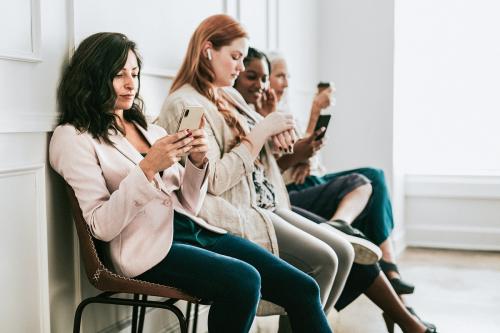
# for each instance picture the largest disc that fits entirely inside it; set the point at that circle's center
(268, 102)
(301, 172)
(198, 153)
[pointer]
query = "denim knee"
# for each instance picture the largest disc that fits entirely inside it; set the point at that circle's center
(376, 175)
(308, 291)
(246, 283)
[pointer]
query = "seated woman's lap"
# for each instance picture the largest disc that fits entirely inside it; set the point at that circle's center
(277, 276)
(226, 268)
(203, 273)
(324, 199)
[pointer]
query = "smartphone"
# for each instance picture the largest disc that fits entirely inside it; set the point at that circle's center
(191, 118)
(323, 121)
(323, 85)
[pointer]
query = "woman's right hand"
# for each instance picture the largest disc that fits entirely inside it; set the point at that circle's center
(277, 122)
(323, 99)
(284, 141)
(166, 152)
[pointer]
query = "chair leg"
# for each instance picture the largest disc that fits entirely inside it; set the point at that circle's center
(133, 326)
(105, 299)
(180, 316)
(79, 311)
(142, 314)
(188, 314)
(78, 316)
(195, 317)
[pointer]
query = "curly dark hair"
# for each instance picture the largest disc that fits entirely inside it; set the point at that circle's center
(86, 97)
(252, 54)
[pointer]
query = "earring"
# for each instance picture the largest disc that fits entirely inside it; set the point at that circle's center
(209, 55)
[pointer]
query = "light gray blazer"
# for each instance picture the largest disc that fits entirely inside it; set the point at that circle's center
(118, 202)
(231, 202)
(231, 199)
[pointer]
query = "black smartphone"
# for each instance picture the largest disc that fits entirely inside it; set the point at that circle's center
(323, 121)
(323, 85)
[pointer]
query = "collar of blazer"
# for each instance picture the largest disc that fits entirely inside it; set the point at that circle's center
(128, 150)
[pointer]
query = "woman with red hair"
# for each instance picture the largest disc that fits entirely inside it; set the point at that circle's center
(236, 152)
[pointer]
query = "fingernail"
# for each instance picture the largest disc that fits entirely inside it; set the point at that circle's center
(290, 148)
(280, 148)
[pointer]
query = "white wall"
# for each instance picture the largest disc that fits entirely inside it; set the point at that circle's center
(298, 42)
(356, 39)
(36, 247)
(446, 111)
(447, 85)
(39, 246)
(357, 53)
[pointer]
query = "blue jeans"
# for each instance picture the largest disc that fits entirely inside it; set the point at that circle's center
(232, 273)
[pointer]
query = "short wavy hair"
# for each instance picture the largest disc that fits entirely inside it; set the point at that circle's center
(86, 97)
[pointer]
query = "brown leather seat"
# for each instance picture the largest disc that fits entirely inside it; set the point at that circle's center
(91, 251)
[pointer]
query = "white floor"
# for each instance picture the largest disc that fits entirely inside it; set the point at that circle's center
(458, 291)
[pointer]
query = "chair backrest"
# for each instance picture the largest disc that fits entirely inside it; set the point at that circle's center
(88, 250)
(92, 253)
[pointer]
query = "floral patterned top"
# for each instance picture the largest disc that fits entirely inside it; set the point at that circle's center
(264, 189)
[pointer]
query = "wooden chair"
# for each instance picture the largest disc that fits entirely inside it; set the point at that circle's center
(91, 251)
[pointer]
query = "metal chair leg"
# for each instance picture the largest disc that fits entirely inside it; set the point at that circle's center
(180, 317)
(133, 326)
(78, 315)
(105, 299)
(195, 317)
(142, 314)
(188, 314)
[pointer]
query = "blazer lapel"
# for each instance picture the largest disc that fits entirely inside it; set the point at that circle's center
(151, 138)
(125, 148)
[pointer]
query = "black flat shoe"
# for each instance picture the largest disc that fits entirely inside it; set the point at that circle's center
(346, 228)
(400, 286)
(365, 252)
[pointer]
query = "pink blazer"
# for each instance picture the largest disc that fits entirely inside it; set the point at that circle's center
(118, 202)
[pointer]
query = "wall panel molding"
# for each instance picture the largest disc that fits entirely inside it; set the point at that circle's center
(455, 212)
(272, 25)
(481, 186)
(37, 172)
(459, 238)
(166, 73)
(28, 122)
(33, 55)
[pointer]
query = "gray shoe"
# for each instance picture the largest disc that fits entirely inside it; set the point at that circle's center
(365, 252)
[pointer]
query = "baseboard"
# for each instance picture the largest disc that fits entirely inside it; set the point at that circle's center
(439, 186)
(457, 238)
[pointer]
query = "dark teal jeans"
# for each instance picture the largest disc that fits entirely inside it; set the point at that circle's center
(233, 273)
(375, 221)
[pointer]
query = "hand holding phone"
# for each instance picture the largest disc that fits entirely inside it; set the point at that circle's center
(323, 121)
(191, 118)
(199, 145)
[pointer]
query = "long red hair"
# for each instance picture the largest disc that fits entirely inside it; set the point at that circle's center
(196, 70)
